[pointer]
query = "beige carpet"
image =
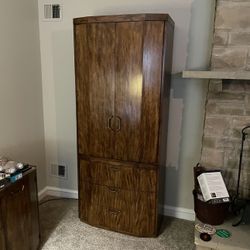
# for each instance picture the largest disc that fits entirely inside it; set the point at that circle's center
(62, 230)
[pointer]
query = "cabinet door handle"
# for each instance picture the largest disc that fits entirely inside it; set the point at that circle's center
(18, 191)
(113, 190)
(114, 211)
(118, 118)
(115, 168)
(109, 122)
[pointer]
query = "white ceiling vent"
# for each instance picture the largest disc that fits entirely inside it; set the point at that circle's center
(52, 12)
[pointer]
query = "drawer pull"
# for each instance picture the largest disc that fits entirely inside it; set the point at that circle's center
(113, 190)
(114, 211)
(109, 122)
(115, 168)
(18, 191)
(119, 123)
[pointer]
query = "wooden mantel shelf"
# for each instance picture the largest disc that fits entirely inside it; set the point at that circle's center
(237, 75)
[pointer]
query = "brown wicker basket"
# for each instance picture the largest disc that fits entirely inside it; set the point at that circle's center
(208, 213)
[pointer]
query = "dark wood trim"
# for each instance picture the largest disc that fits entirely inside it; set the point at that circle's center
(77, 127)
(122, 176)
(164, 108)
(165, 86)
(117, 162)
(119, 231)
(124, 18)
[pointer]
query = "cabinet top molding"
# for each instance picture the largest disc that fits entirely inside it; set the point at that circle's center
(235, 75)
(124, 18)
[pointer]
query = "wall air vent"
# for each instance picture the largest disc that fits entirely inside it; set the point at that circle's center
(52, 12)
(59, 171)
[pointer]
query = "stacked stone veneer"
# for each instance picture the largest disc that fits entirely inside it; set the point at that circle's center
(228, 102)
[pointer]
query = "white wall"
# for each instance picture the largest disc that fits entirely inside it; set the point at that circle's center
(21, 123)
(56, 39)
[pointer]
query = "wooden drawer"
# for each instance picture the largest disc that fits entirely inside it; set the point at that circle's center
(124, 211)
(119, 175)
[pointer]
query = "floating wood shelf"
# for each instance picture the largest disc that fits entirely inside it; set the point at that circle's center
(217, 75)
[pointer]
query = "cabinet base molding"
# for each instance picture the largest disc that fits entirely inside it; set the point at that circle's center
(118, 231)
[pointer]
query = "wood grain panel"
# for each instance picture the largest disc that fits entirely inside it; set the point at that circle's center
(152, 69)
(100, 201)
(143, 213)
(101, 48)
(120, 210)
(82, 87)
(2, 237)
(114, 162)
(119, 175)
(95, 92)
(129, 38)
(33, 200)
(19, 226)
(17, 210)
(123, 68)
(165, 93)
(124, 18)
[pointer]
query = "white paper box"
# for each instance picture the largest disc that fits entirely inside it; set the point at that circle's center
(212, 186)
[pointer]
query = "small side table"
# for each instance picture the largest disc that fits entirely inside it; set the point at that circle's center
(19, 216)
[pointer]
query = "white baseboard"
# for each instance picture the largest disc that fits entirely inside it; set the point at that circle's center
(42, 193)
(58, 192)
(179, 212)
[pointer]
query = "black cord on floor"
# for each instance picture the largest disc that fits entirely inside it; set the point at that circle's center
(55, 199)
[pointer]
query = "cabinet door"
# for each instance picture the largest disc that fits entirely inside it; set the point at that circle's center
(152, 91)
(95, 75)
(138, 90)
(129, 42)
(17, 217)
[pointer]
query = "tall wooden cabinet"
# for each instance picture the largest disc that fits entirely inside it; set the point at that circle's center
(122, 70)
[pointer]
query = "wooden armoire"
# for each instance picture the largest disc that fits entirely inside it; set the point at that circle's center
(122, 70)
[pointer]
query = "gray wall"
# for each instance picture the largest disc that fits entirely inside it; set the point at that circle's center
(56, 40)
(179, 179)
(21, 126)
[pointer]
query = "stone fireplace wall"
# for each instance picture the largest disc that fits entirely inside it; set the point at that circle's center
(228, 102)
